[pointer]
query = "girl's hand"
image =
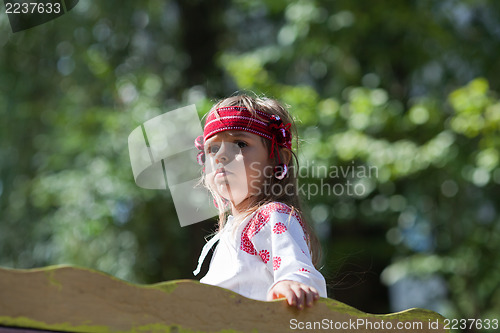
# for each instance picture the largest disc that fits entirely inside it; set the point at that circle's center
(296, 293)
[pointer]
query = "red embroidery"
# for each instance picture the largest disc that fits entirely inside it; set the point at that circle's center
(259, 220)
(276, 263)
(246, 245)
(282, 208)
(279, 228)
(304, 270)
(264, 254)
(254, 226)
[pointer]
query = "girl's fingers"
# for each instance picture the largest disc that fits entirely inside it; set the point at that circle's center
(311, 295)
(300, 294)
(315, 293)
(291, 297)
(308, 298)
(296, 294)
(305, 295)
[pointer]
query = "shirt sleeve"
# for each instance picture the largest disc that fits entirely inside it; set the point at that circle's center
(281, 243)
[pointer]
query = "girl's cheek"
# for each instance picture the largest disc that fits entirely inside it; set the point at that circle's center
(209, 182)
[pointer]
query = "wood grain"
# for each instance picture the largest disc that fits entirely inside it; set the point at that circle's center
(71, 299)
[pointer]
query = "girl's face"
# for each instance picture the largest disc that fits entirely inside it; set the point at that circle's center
(236, 165)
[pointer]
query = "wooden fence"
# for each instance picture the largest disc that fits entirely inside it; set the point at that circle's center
(71, 299)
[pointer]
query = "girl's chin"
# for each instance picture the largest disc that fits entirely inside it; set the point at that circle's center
(235, 198)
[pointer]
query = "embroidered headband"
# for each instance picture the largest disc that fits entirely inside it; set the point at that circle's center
(239, 118)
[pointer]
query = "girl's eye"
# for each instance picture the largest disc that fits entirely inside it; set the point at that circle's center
(241, 144)
(212, 149)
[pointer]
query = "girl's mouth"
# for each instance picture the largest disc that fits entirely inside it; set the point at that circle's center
(221, 173)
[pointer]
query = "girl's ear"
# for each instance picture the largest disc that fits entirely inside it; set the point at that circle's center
(287, 155)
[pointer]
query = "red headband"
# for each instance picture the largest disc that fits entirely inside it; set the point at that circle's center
(238, 118)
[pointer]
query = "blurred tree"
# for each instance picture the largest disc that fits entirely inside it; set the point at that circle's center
(378, 77)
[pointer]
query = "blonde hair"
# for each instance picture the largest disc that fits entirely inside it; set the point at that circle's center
(272, 107)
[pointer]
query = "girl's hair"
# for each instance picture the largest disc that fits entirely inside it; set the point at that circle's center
(290, 198)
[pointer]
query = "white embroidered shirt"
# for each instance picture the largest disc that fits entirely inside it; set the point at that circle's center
(269, 246)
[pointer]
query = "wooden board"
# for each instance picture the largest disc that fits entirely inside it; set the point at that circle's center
(71, 299)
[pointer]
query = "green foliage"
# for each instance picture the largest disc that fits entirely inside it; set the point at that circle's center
(436, 158)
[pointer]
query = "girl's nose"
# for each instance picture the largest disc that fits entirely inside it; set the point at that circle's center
(221, 155)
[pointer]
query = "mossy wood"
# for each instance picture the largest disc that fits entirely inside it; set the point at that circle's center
(71, 299)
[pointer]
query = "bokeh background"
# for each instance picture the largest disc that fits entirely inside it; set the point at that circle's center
(408, 87)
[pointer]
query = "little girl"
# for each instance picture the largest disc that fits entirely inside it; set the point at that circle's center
(266, 249)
